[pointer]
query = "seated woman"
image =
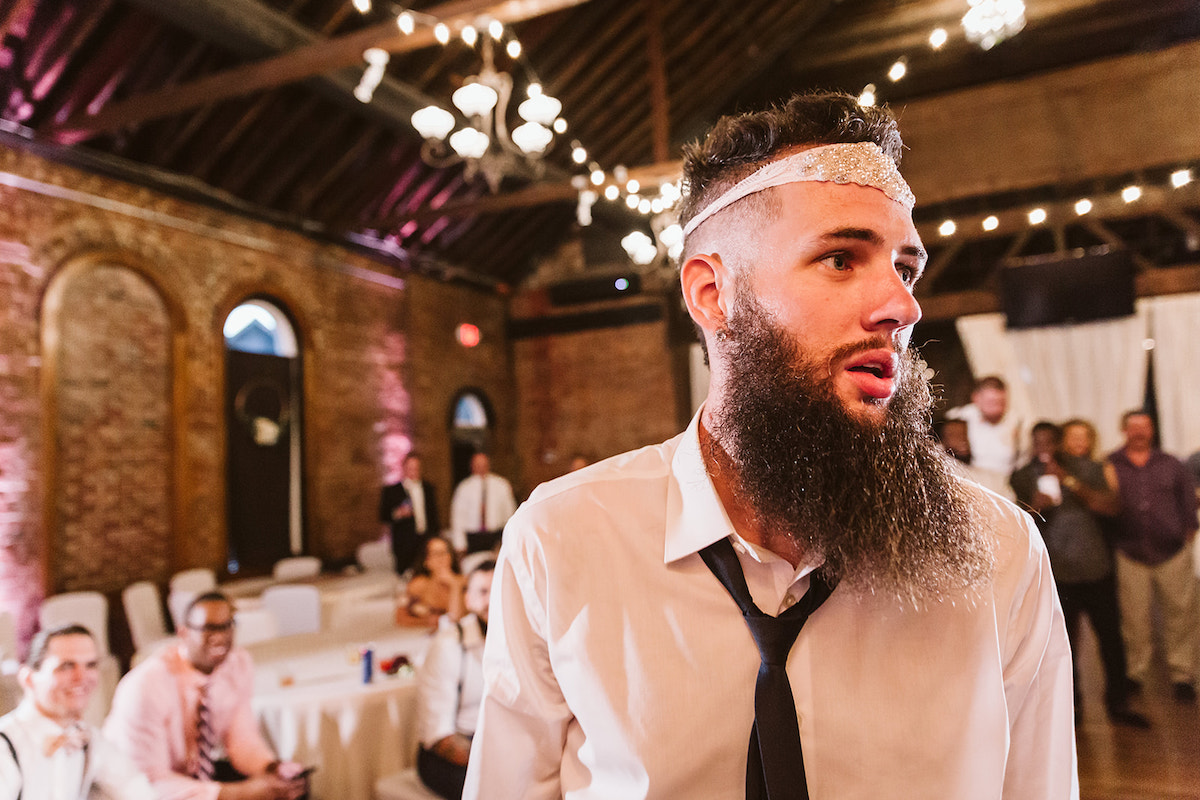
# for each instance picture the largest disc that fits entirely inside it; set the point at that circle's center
(449, 690)
(436, 587)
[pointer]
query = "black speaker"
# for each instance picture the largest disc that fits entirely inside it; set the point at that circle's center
(1085, 288)
(588, 290)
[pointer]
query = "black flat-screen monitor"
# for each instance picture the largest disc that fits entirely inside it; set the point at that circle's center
(1084, 288)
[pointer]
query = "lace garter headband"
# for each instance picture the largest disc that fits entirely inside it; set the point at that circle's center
(862, 163)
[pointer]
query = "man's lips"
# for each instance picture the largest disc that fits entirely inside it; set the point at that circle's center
(874, 372)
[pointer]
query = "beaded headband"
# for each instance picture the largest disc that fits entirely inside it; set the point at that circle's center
(862, 163)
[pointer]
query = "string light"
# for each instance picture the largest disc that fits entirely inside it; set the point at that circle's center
(867, 98)
(1181, 177)
(406, 22)
(496, 29)
(898, 70)
(947, 228)
(1037, 216)
(513, 48)
(441, 33)
(990, 223)
(1131, 193)
(1083, 206)
(469, 35)
(937, 38)
(362, 6)
(611, 192)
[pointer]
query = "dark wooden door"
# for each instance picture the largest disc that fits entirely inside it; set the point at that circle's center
(261, 411)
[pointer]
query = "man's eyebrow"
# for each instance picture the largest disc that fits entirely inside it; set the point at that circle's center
(873, 237)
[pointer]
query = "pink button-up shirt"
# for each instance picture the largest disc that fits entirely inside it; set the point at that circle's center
(153, 719)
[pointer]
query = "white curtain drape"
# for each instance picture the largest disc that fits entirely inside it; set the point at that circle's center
(1175, 328)
(1095, 370)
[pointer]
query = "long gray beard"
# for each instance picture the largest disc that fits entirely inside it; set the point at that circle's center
(877, 499)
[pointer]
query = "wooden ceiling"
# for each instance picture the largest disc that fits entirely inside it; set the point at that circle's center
(248, 103)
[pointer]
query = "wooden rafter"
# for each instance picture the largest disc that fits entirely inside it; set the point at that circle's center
(303, 62)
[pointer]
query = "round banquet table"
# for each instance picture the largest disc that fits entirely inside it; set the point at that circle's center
(314, 708)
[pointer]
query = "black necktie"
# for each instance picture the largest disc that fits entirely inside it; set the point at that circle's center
(775, 763)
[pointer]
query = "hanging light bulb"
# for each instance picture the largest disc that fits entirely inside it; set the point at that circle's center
(867, 98)
(406, 23)
(513, 48)
(937, 38)
(532, 137)
(469, 35)
(433, 122)
(362, 6)
(496, 29)
(475, 99)
(441, 33)
(990, 223)
(470, 142)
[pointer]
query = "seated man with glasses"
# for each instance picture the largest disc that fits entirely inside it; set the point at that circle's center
(184, 717)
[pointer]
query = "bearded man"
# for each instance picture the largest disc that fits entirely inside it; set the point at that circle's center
(796, 596)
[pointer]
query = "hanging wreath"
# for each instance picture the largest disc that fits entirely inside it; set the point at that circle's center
(252, 406)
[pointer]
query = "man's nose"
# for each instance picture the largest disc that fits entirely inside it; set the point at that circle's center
(890, 305)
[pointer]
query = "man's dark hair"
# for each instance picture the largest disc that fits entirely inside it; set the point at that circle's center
(205, 597)
(737, 145)
(1134, 412)
(488, 565)
(41, 642)
(1047, 425)
(990, 382)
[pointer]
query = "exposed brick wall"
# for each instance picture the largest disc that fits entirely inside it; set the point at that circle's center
(20, 434)
(380, 363)
(112, 393)
(597, 392)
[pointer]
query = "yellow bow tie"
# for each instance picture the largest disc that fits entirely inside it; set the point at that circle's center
(74, 737)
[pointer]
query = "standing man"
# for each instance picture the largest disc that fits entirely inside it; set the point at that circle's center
(911, 640)
(1070, 491)
(178, 711)
(410, 510)
(482, 503)
(47, 751)
(1157, 525)
(993, 432)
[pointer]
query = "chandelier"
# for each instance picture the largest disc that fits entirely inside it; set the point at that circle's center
(485, 145)
(989, 22)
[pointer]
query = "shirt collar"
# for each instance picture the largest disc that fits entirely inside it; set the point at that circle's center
(695, 516)
(37, 724)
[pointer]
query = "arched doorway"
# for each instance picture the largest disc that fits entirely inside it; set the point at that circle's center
(263, 453)
(470, 430)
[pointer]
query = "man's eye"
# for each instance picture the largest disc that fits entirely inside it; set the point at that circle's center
(839, 261)
(907, 274)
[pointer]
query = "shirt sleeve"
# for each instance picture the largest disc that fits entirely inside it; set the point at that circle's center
(458, 516)
(10, 777)
(438, 685)
(117, 776)
(138, 725)
(518, 746)
(247, 750)
(1038, 686)
(1187, 499)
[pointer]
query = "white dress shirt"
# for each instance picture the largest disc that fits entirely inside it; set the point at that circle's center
(994, 447)
(416, 495)
(617, 665)
(98, 771)
(450, 681)
(467, 511)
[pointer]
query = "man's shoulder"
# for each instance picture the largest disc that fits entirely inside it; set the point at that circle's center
(1014, 535)
(624, 487)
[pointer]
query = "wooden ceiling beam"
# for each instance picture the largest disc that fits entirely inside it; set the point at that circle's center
(321, 57)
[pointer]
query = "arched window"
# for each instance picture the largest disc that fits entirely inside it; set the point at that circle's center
(259, 326)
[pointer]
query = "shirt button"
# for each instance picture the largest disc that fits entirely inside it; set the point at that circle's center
(788, 601)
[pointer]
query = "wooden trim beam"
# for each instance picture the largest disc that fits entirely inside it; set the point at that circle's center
(303, 62)
(660, 103)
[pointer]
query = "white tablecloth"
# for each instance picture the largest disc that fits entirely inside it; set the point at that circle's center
(340, 594)
(315, 709)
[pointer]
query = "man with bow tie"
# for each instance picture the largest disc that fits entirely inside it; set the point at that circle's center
(47, 751)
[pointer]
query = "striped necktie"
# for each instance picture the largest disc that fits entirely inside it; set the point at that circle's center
(206, 738)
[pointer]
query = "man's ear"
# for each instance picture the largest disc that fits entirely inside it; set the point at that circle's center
(707, 290)
(25, 677)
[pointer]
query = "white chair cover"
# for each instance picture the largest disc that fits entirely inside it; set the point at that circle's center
(376, 556)
(287, 569)
(255, 625)
(297, 608)
(200, 579)
(144, 613)
(86, 608)
(404, 785)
